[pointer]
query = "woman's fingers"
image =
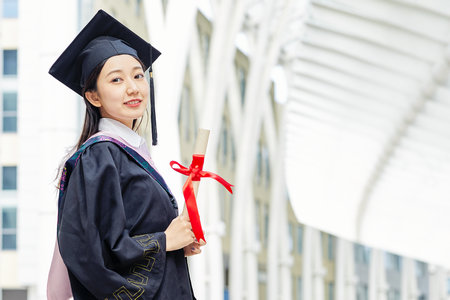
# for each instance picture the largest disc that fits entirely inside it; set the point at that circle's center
(179, 233)
(192, 249)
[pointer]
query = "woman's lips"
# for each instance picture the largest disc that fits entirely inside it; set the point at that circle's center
(133, 103)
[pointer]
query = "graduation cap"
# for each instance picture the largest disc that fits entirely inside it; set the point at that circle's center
(102, 38)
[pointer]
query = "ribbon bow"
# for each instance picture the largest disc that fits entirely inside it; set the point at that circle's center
(195, 173)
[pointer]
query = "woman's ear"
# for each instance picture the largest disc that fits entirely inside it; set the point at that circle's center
(93, 98)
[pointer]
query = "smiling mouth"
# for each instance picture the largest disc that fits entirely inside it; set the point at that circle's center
(133, 102)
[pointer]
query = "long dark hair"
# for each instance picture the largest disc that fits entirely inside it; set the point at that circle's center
(92, 115)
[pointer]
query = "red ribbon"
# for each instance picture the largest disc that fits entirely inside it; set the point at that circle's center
(195, 172)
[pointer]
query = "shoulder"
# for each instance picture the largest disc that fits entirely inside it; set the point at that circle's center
(104, 152)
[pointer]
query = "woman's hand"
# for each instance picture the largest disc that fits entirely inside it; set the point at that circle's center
(192, 249)
(179, 233)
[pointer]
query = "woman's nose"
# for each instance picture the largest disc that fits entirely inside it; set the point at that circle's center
(132, 87)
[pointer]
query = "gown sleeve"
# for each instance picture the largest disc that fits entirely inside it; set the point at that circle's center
(94, 241)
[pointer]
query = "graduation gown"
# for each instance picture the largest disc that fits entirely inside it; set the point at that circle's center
(111, 222)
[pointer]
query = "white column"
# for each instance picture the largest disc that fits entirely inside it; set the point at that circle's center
(214, 231)
(307, 271)
(277, 223)
(438, 283)
(340, 270)
(409, 280)
(345, 271)
(252, 248)
(350, 277)
(286, 278)
(313, 270)
(273, 252)
(377, 277)
(284, 256)
(319, 270)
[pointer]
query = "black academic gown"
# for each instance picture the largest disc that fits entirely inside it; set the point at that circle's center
(111, 224)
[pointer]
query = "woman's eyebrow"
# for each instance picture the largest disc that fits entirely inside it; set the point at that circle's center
(121, 71)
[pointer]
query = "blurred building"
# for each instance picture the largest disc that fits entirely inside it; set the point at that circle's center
(9, 156)
(256, 249)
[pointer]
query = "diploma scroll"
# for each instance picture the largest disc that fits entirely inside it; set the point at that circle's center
(200, 149)
(190, 188)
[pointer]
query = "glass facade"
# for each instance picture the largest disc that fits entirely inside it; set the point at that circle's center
(9, 228)
(299, 290)
(393, 262)
(362, 292)
(330, 295)
(330, 247)
(448, 286)
(299, 238)
(362, 254)
(242, 78)
(9, 178)
(10, 9)
(291, 237)
(9, 115)
(393, 294)
(9, 62)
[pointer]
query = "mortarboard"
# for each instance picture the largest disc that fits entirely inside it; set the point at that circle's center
(102, 38)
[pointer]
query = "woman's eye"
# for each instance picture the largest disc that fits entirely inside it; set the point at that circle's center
(117, 79)
(138, 76)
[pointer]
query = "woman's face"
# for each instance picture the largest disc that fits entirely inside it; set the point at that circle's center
(122, 90)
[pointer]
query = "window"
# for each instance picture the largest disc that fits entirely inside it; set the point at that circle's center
(10, 9)
(291, 237)
(265, 157)
(266, 224)
(138, 8)
(330, 291)
(226, 278)
(421, 269)
(257, 220)
(164, 4)
(10, 112)
(224, 140)
(9, 175)
(362, 254)
(14, 294)
(226, 294)
(233, 152)
(299, 239)
(330, 248)
(362, 292)
(242, 83)
(10, 62)
(393, 294)
(393, 262)
(205, 45)
(9, 228)
(184, 114)
(299, 289)
(259, 163)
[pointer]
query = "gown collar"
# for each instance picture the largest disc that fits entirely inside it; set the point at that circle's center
(124, 132)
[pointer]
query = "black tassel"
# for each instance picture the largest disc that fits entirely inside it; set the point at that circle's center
(152, 109)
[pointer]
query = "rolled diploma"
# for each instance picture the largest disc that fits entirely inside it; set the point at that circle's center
(199, 148)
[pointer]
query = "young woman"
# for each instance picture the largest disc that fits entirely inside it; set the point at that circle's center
(119, 235)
